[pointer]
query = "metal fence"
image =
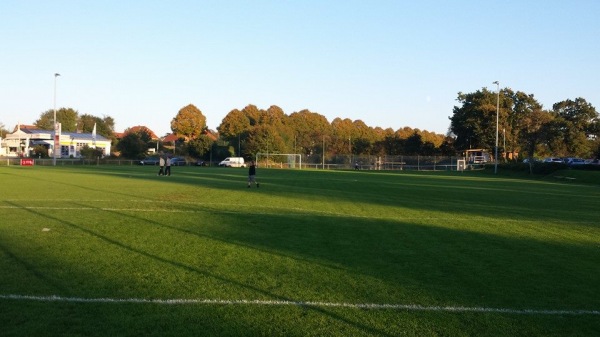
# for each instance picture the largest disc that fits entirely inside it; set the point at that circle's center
(5, 161)
(418, 163)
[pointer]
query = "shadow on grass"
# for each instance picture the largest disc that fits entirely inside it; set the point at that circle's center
(413, 261)
(375, 186)
(453, 193)
(179, 265)
(444, 265)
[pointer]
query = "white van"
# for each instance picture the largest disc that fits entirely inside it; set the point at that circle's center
(233, 162)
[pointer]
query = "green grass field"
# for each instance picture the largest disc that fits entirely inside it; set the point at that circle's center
(118, 251)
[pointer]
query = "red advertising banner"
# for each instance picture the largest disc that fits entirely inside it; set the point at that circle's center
(27, 162)
(56, 149)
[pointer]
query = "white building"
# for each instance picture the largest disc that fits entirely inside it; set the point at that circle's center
(22, 142)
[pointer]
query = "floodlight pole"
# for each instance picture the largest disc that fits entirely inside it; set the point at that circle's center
(350, 150)
(504, 142)
(323, 152)
(54, 124)
(497, 114)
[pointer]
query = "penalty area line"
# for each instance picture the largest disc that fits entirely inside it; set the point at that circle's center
(373, 306)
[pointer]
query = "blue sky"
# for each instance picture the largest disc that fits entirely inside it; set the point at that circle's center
(387, 63)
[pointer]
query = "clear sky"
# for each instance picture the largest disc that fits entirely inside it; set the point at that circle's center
(388, 63)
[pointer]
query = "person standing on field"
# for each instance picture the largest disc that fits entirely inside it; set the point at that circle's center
(168, 169)
(161, 162)
(252, 174)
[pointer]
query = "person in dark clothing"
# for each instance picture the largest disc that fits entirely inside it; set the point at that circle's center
(252, 174)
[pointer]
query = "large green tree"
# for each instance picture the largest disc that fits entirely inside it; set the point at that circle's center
(473, 122)
(522, 121)
(574, 127)
(236, 126)
(305, 132)
(134, 144)
(382, 138)
(105, 126)
(341, 139)
(534, 128)
(276, 118)
(243, 129)
(189, 123)
(363, 137)
(310, 129)
(200, 146)
(233, 125)
(253, 114)
(264, 139)
(71, 121)
(66, 116)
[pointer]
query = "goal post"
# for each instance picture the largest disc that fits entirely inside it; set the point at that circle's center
(461, 165)
(279, 160)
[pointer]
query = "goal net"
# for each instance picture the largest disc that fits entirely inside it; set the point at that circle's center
(279, 160)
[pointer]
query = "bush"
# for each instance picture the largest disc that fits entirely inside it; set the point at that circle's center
(587, 167)
(547, 168)
(524, 168)
(40, 151)
(90, 153)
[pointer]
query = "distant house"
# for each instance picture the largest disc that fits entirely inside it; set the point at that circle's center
(25, 127)
(213, 135)
(135, 129)
(22, 141)
(138, 128)
(170, 138)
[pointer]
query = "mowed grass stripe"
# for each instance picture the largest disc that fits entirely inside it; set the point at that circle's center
(518, 228)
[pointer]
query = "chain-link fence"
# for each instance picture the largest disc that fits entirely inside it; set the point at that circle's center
(340, 162)
(367, 162)
(5, 161)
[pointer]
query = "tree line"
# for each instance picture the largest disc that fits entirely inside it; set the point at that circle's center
(72, 121)
(570, 128)
(254, 130)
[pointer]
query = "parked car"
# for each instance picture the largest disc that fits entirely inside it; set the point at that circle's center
(553, 160)
(178, 161)
(149, 161)
(200, 163)
(233, 162)
(575, 161)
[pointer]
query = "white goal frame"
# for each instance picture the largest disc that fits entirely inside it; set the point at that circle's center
(293, 160)
(461, 165)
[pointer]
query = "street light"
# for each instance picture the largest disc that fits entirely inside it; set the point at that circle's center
(504, 153)
(54, 135)
(497, 113)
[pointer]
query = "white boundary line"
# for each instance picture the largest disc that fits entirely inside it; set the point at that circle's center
(406, 307)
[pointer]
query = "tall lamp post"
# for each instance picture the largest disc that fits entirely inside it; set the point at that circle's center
(54, 134)
(497, 113)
